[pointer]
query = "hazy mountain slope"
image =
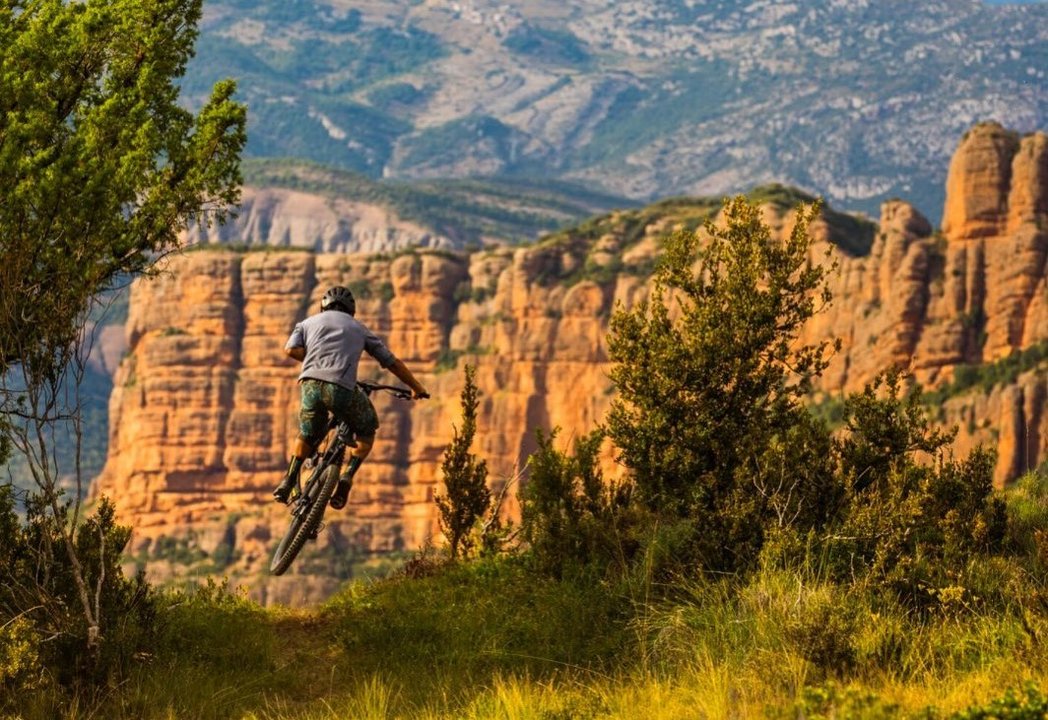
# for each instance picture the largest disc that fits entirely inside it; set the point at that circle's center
(856, 100)
(295, 203)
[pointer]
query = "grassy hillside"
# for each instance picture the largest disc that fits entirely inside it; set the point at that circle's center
(490, 640)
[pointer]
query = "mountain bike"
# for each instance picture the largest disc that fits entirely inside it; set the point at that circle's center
(309, 503)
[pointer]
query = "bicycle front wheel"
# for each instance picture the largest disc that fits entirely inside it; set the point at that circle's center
(304, 523)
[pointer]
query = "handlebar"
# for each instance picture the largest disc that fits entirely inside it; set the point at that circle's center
(402, 393)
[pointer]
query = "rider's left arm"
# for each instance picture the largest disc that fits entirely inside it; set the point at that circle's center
(295, 347)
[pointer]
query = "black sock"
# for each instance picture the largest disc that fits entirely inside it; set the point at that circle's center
(351, 469)
(294, 467)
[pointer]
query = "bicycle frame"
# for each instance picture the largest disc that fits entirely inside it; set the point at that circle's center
(306, 516)
(334, 454)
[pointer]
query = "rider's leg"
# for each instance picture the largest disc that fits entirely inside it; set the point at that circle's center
(364, 445)
(345, 482)
(356, 410)
(312, 424)
(360, 452)
(301, 451)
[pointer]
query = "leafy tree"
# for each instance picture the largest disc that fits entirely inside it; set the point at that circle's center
(100, 169)
(465, 477)
(710, 376)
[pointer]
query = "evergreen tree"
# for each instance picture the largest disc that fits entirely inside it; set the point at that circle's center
(465, 477)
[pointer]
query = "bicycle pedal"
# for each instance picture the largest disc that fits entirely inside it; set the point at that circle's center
(316, 533)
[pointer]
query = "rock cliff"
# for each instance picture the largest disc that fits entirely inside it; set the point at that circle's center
(972, 293)
(203, 408)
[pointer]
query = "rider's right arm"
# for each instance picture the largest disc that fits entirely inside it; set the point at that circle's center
(399, 369)
(378, 350)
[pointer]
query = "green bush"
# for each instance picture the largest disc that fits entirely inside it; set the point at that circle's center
(1030, 704)
(831, 702)
(37, 586)
(824, 631)
(20, 670)
(915, 528)
(570, 517)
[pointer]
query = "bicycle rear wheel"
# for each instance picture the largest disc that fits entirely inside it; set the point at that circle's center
(305, 522)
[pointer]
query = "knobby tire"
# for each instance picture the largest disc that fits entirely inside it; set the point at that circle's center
(302, 527)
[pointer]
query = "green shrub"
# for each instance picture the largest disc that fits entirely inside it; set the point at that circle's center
(37, 584)
(1030, 704)
(884, 428)
(711, 395)
(462, 292)
(824, 631)
(914, 528)
(831, 702)
(570, 517)
(20, 669)
(447, 359)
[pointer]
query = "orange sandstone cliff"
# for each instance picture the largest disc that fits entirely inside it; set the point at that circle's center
(204, 404)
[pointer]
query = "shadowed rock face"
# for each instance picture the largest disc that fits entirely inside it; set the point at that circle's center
(204, 406)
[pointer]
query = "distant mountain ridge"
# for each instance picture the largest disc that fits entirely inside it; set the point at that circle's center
(298, 204)
(858, 101)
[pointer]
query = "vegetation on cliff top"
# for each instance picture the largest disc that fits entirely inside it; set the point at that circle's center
(985, 377)
(602, 262)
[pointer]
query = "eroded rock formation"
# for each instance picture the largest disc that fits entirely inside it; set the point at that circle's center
(204, 404)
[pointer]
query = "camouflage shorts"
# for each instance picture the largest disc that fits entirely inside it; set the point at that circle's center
(349, 406)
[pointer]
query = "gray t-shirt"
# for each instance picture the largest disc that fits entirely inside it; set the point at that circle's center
(333, 341)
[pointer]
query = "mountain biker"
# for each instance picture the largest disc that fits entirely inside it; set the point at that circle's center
(329, 345)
